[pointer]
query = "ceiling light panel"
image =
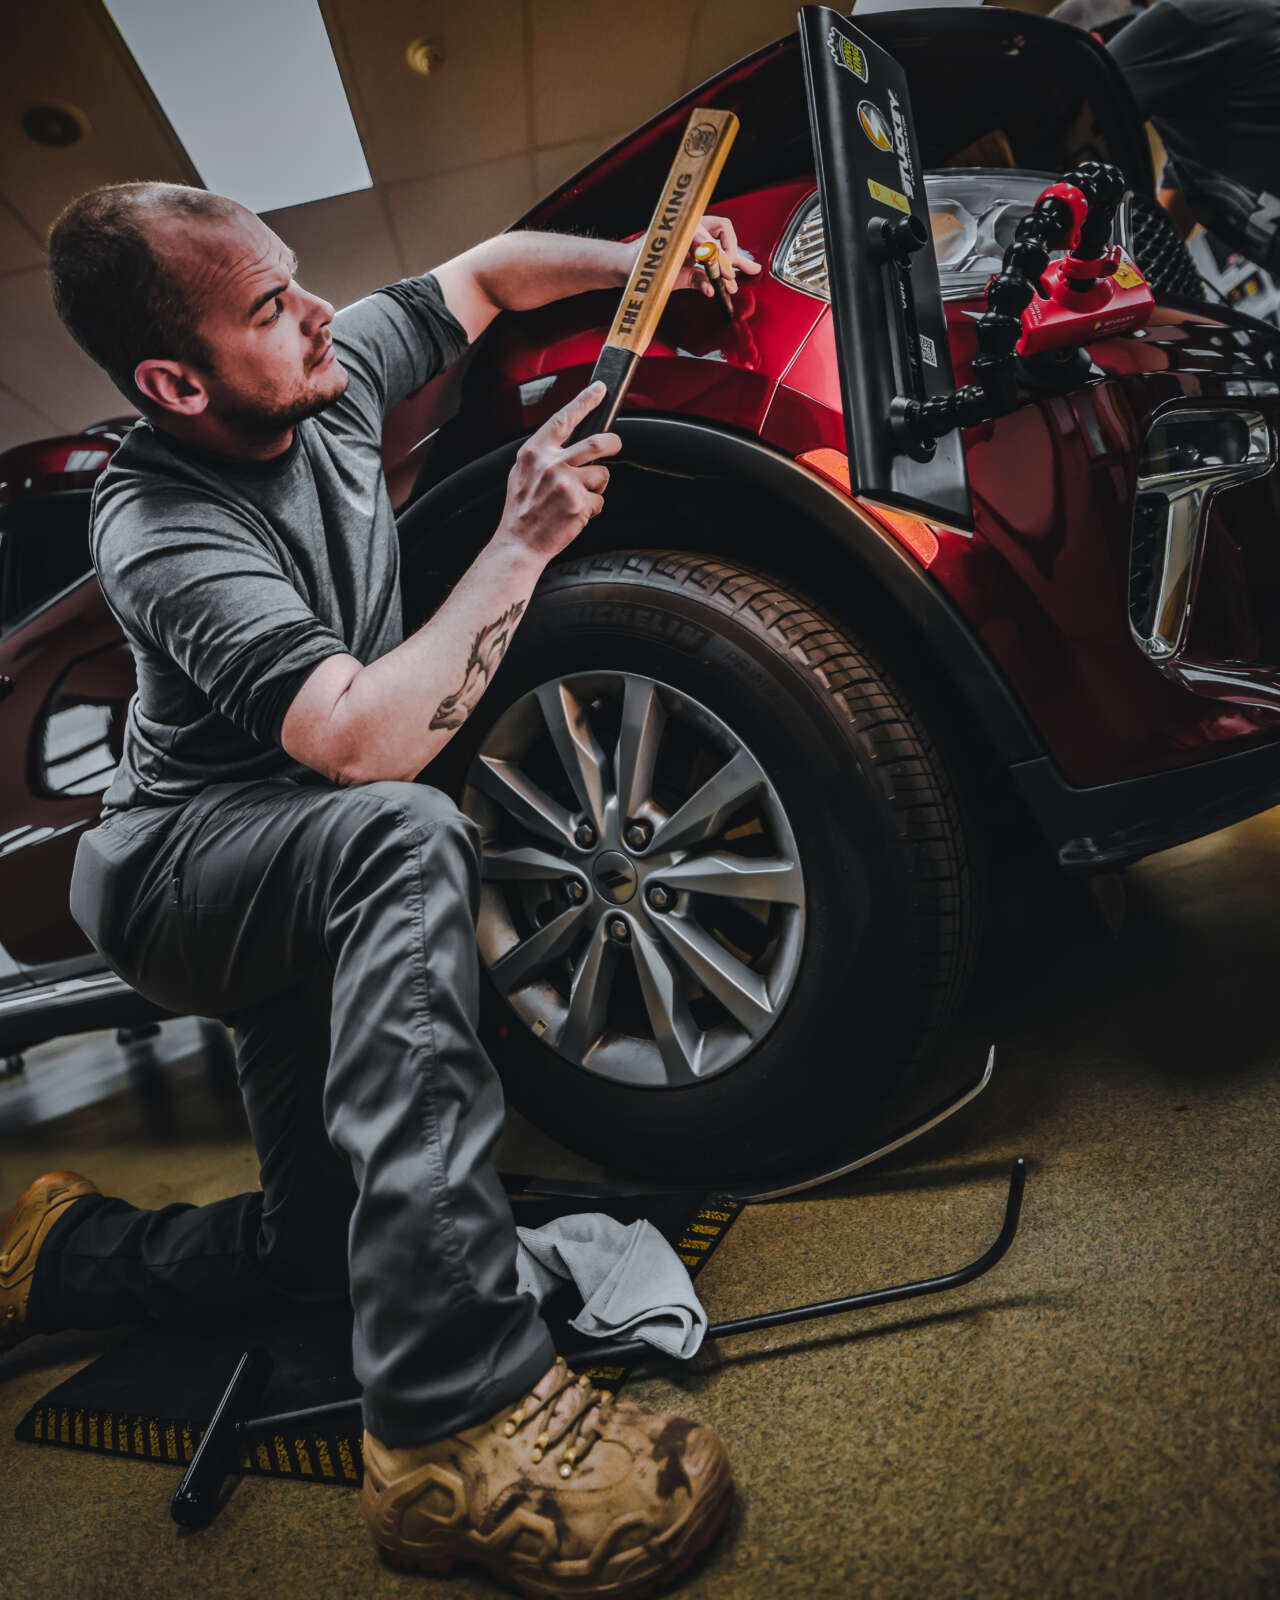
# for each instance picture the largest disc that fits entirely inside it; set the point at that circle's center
(253, 91)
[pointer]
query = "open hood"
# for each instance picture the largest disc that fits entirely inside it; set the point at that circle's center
(1052, 91)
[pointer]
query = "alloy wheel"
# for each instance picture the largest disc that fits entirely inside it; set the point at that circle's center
(642, 909)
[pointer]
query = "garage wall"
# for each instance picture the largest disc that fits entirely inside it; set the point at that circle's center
(528, 91)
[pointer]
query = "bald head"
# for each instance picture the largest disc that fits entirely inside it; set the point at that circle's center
(119, 259)
(210, 256)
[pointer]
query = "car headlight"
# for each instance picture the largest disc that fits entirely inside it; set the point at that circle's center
(973, 212)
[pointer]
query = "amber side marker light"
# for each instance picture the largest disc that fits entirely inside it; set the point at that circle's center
(919, 535)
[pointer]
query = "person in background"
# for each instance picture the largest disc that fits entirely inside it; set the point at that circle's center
(1206, 73)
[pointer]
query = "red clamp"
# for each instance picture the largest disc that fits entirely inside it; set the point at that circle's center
(1076, 201)
(1080, 269)
(1117, 300)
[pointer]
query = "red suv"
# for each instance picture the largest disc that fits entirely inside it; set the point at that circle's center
(746, 770)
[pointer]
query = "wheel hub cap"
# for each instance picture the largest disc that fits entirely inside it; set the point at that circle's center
(614, 877)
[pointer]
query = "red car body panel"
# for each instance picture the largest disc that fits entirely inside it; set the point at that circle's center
(1043, 581)
(70, 667)
(52, 466)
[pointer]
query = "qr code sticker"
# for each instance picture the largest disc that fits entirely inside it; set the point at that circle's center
(927, 351)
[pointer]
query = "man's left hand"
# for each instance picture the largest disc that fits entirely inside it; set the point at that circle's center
(733, 258)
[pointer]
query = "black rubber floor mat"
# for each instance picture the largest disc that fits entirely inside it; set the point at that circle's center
(151, 1396)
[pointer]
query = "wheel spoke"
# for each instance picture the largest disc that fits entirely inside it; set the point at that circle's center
(589, 995)
(526, 862)
(674, 1030)
(576, 746)
(505, 783)
(739, 990)
(704, 814)
(516, 966)
(643, 720)
(739, 878)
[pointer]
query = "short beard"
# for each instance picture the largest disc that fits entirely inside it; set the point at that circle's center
(259, 424)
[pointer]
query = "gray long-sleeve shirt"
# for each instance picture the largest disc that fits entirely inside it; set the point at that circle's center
(233, 580)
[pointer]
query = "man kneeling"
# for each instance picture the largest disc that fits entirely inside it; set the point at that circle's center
(265, 857)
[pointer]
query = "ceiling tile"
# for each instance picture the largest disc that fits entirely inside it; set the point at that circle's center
(42, 365)
(67, 50)
(726, 30)
(344, 244)
(588, 77)
(551, 167)
(472, 108)
(435, 218)
(18, 422)
(18, 246)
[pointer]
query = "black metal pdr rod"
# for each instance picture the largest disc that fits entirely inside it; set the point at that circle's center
(195, 1500)
(633, 1349)
(597, 1351)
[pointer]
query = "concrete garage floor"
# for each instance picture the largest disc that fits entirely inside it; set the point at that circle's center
(1097, 1417)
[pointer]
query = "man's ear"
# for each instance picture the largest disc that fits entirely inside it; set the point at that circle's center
(171, 386)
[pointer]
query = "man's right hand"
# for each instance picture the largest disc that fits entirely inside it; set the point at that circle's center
(388, 719)
(555, 488)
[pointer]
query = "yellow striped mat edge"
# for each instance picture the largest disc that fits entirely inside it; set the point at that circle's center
(326, 1458)
(320, 1458)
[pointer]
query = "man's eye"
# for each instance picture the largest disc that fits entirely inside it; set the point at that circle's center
(276, 314)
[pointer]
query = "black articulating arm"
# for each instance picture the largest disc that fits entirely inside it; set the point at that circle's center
(1076, 213)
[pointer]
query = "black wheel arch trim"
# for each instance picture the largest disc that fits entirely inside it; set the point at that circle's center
(698, 449)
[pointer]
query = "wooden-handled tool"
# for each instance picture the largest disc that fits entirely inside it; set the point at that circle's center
(704, 146)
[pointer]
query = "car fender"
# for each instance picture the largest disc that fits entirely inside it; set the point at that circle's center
(448, 522)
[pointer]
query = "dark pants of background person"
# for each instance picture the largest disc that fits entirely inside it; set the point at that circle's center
(334, 928)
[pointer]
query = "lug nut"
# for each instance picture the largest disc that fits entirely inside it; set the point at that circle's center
(620, 930)
(660, 897)
(636, 835)
(576, 890)
(584, 836)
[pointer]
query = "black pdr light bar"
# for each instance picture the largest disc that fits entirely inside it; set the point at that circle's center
(890, 327)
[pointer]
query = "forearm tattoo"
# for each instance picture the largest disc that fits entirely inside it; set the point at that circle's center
(487, 650)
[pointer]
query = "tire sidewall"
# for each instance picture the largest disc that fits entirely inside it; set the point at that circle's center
(828, 1057)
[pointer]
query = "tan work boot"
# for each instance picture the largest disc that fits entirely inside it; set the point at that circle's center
(26, 1229)
(572, 1493)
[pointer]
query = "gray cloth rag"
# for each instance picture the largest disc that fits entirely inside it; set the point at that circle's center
(631, 1281)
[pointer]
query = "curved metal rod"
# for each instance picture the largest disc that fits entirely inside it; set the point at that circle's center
(633, 1349)
(902, 1291)
(598, 1352)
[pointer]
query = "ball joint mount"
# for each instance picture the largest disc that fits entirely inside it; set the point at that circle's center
(1076, 214)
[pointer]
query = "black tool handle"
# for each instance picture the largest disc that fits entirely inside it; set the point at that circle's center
(195, 1500)
(614, 367)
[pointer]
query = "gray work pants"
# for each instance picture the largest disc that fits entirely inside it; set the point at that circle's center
(335, 929)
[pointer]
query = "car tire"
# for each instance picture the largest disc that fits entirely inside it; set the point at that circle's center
(890, 913)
